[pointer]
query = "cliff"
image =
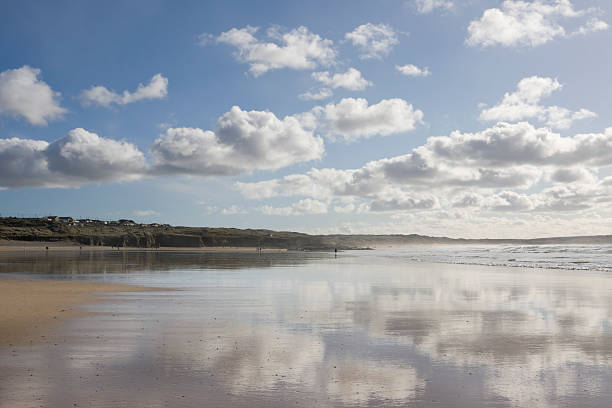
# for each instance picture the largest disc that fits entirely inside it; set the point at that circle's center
(126, 233)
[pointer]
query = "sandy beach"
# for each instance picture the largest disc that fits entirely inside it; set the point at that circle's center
(30, 308)
(363, 329)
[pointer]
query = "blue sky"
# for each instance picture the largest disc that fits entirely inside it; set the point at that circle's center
(495, 125)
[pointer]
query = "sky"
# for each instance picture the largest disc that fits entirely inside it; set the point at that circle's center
(476, 118)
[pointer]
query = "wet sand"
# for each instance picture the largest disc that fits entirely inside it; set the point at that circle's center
(23, 246)
(292, 329)
(30, 309)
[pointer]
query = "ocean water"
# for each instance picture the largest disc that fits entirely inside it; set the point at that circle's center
(569, 257)
(422, 327)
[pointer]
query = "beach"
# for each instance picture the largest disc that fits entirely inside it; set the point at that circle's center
(31, 309)
(365, 328)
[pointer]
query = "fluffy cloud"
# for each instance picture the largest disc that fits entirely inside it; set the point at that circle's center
(559, 198)
(242, 141)
(427, 6)
(23, 163)
(157, 88)
(509, 201)
(296, 49)
(524, 103)
(315, 183)
(572, 175)
(351, 80)
(528, 24)
(85, 155)
(373, 40)
(402, 201)
(22, 93)
(592, 26)
(413, 70)
(488, 164)
(305, 206)
(354, 119)
(521, 144)
(467, 200)
(78, 158)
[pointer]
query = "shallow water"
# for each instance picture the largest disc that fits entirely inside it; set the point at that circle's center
(370, 328)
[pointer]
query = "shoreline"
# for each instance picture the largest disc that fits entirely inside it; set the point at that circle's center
(31, 309)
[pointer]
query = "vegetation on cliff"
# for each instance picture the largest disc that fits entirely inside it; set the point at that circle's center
(126, 233)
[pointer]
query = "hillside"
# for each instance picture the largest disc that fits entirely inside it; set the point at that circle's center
(126, 233)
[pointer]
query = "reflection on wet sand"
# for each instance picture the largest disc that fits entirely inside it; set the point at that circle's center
(82, 262)
(359, 330)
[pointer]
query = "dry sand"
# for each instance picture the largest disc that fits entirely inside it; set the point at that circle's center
(30, 308)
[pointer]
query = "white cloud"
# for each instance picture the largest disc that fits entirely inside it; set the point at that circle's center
(157, 88)
(23, 163)
(527, 24)
(373, 40)
(591, 26)
(345, 209)
(559, 198)
(427, 6)
(76, 159)
(297, 49)
(206, 39)
(323, 93)
(521, 144)
(468, 200)
(480, 170)
(509, 201)
(351, 80)
(354, 119)
(401, 201)
(413, 70)
(315, 183)
(573, 197)
(145, 213)
(283, 211)
(85, 155)
(524, 103)
(22, 93)
(309, 206)
(242, 141)
(305, 206)
(233, 210)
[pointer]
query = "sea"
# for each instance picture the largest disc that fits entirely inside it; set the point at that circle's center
(568, 257)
